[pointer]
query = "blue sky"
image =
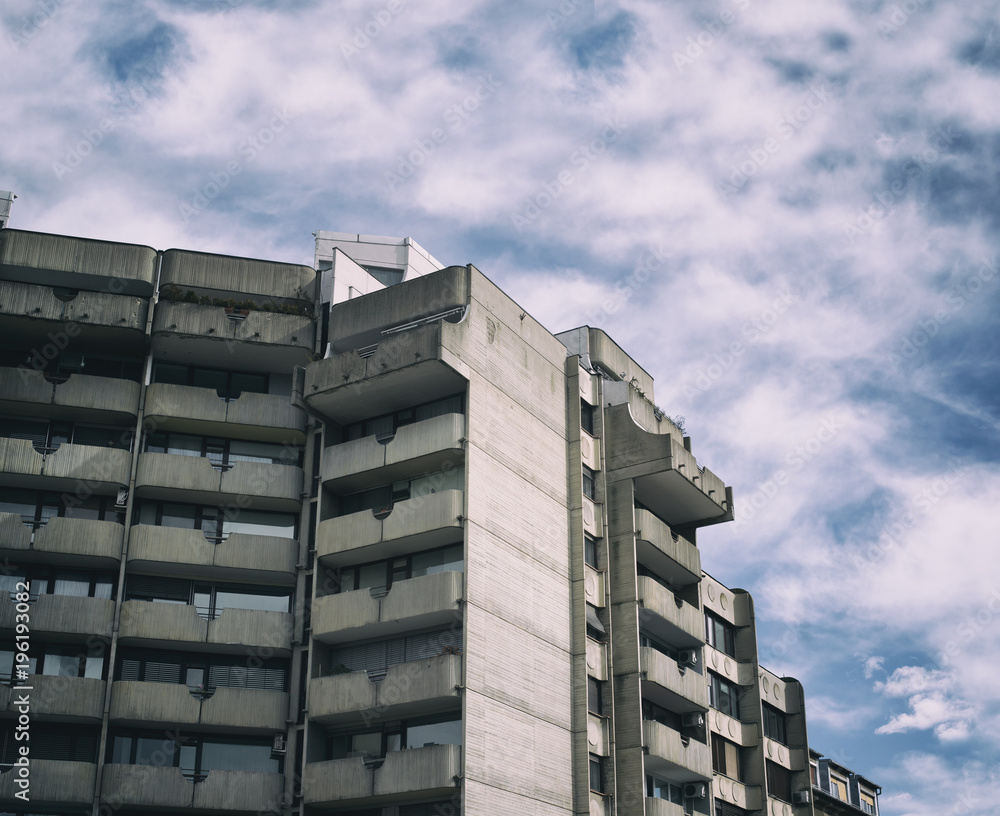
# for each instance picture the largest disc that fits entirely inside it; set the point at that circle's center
(816, 185)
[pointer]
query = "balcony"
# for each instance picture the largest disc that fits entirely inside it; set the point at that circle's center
(662, 807)
(65, 615)
(418, 365)
(792, 758)
(59, 260)
(145, 623)
(194, 479)
(420, 687)
(100, 542)
(52, 783)
(736, 671)
(597, 659)
(667, 553)
(86, 398)
(246, 710)
(201, 410)
(665, 685)
(747, 797)
(683, 624)
(190, 332)
(97, 317)
(162, 787)
(428, 772)
(593, 586)
(101, 467)
(227, 274)
(241, 557)
(598, 738)
(670, 756)
(423, 447)
(75, 699)
(667, 478)
(422, 522)
(744, 734)
(416, 603)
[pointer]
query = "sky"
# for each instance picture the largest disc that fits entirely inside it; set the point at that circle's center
(787, 212)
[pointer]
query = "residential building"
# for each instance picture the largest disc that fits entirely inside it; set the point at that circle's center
(838, 791)
(363, 539)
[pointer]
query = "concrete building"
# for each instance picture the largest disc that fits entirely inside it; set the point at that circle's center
(838, 791)
(361, 539)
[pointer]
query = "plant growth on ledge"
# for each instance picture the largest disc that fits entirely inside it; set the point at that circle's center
(174, 294)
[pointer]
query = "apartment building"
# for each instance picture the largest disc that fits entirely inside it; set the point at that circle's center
(364, 539)
(838, 790)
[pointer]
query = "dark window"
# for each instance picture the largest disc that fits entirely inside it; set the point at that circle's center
(217, 523)
(57, 660)
(657, 788)
(36, 507)
(57, 741)
(57, 581)
(210, 599)
(205, 672)
(596, 774)
(195, 754)
(587, 417)
(223, 453)
(723, 695)
(720, 633)
(590, 550)
(381, 499)
(775, 724)
(381, 654)
(388, 424)
(47, 437)
(726, 758)
(379, 740)
(725, 809)
(655, 713)
(648, 641)
(594, 705)
(384, 573)
(779, 781)
(228, 384)
(589, 484)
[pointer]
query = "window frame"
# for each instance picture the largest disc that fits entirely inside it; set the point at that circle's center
(716, 625)
(717, 695)
(393, 567)
(190, 371)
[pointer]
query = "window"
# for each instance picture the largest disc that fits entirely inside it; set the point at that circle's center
(867, 801)
(195, 754)
(56, 660)
(379, 740)
(814, 773)
(725, 809)
(228, 384)
(596, 774)
(223, 453)
(58, 741)
(47, 437)
(838, 787)
(594, 705)
(210, 599)
(587, 417)
(381, 654)
(779, 781)
(646, 640)
(775, 724)
(200, 671)
(384, 573)
(55, 581)
(217, 523)
(658, 788)
(589, 485)
(595, 629)
(36, 507)
(590, 550)
(720, 633)
(723, 695)
(381, 499)
(388, 424)
(651, 711)
(726, 758)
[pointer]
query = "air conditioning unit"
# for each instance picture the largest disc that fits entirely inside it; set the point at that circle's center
(687, 657)
(800, 797)
(695, 790)
(694, 719)
(278, 746)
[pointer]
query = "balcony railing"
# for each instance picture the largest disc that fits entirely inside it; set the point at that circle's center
(134, 703)
(81, 538)
(89, 463)
(680, 617)
(109, 399)
(53, 782)
(167, 787)
(64, 615)
(83, 310)
(79, 698)
(670, 748)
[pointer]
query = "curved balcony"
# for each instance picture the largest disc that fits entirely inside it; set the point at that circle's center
(269, 340)
(419, 687)
(416, 603)
(666, 552)
(667, 477)
(64, 615)
(59, 260)
(229, 274)
(53, 782)
(76, 699)
(241, 557)
(192, 478)
(669, 755)
(229, 791)
(745, 797)
(664, 684)
(246, 710)
(201, 410)
(736, 671)
(100, 542)
(423, 447)
(683, 624)
(744, 734)
(422, 522)
(145, 623)
(424, 361)
(792, 758)
(96, 399)
(662, 807)
(430, 771)
(99, 467)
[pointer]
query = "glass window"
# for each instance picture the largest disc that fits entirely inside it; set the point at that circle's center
(166, 373)
(448, 732)
(372, 575)
(57, 665)
(443, 560)
(590, 550)
(179, 515)
(594, 696)
(240, 382)
(720, 634)
(258, 522)
(587, 417)
(207, 378)
(236, 756)
(235, 599)
(589, 488)
(71, 584)
(775, 725)
(723, 696)
(596, 777)
(121, 750)
(779, 781)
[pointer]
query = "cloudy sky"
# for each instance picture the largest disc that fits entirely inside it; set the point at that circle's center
(788, 212)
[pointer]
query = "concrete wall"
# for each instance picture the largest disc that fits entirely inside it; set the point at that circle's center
(225, 273)
(56, 696)
(65, 614)
(227, 707)
(166, 403)
(85, 393)
(69, 783)
(268, 328)
(86, 309)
